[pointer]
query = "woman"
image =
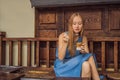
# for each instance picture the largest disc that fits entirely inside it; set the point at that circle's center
(72, 61)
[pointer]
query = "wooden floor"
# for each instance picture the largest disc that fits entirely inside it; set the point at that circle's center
(31, 73)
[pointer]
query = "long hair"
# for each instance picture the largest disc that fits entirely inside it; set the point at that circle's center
(71, 33)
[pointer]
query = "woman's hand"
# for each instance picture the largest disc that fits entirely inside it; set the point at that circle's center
(65, 37)
(82, 48)
(62, 45)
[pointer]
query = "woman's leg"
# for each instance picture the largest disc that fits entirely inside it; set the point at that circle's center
(86, 71)
(94, 71)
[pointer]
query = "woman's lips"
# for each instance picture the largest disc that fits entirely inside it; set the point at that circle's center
(77, 29)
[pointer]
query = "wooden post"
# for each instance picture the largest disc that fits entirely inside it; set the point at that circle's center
(103, 56)
(38, 54)
(29, 53)
(48, 54)
(2, 54)
(116, 56)
(11, 53)
(19, 53)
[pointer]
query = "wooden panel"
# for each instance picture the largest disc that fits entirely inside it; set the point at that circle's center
(60, 22)
(114, 19)
(92, 18)
(48, 33)
(45, 18)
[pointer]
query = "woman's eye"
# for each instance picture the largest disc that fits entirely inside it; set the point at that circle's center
(80, 23)
(74, 23)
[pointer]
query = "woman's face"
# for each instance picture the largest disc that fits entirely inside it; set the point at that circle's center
(77, 24)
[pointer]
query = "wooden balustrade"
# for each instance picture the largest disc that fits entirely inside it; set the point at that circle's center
(29, 41)
(38, 54)
(103, 40)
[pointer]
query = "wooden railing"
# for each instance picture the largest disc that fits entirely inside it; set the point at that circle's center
(47, 50)
(116, 50)
(29, 41)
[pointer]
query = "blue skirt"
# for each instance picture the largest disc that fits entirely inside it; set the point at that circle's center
(71, 67)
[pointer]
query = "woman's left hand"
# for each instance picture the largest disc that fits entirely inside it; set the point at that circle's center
(82, 48)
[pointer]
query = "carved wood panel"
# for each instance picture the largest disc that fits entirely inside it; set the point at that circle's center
(46, 18)
(46, 26)
(114, 19)
(91, 19)
(48, 33)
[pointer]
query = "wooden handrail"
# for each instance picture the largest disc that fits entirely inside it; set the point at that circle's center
(104, 39)
(30, 39)
(55, 39)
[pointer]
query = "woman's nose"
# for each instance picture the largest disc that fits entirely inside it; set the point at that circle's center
(77, 25)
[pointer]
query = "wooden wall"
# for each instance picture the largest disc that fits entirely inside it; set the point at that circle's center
(99, 21)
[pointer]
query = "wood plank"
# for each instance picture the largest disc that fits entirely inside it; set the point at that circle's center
(19, 53)
(48, 54)
(11, 53)
(103, 56)
(28, 53)
(116, 56)
(38, 53)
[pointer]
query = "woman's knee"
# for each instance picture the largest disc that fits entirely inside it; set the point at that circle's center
(86, 67)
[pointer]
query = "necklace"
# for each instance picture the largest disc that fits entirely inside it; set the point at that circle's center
(76, 34)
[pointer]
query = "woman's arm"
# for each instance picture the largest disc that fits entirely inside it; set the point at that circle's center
(62, 45)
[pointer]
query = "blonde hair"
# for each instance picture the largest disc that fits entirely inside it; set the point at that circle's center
(71, 34)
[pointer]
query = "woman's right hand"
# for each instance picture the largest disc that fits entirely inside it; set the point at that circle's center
(65, 37)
